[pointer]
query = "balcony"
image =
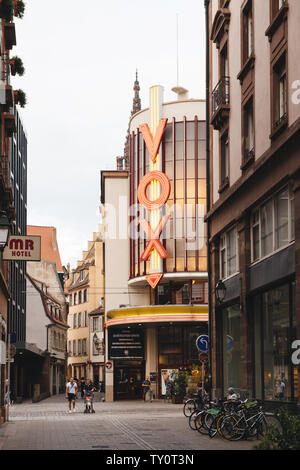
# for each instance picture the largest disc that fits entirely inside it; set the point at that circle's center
(9, 35)
(6, 189)
(221, 103)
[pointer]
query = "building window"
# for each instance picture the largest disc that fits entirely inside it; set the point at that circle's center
(74, 347)
(279, 92)
(273, 224)
(75, 299)
(84, 349)
(75, 320)
(85, 295)
(224, 166)
(73, 278)
(247, 32)
(96, 323)
(85, 318)
(248, 131)
(81, 275)
(70, 348)
(229, 253)
(79, 297)
(275, 7)
(79, 320)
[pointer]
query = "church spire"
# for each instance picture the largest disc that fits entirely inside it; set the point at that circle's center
(135, 108)
(136, 100)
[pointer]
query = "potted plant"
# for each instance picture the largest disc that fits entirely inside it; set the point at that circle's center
(179, 389)
(19, 8)
(7, 10)
(20, 98)
(16, 66)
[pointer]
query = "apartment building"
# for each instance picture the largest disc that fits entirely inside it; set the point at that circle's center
(254, 199)
(85, 294)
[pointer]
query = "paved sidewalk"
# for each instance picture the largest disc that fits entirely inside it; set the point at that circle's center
(130, 425)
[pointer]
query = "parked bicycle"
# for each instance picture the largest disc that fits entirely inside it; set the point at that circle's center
(195, 404)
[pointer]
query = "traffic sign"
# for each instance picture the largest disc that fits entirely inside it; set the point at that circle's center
(202, 343)
(108, 365)
(203, 357)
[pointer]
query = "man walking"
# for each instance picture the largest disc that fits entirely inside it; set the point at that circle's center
(71, 393)
(146, 388)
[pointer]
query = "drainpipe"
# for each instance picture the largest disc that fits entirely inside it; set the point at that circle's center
(210, 343)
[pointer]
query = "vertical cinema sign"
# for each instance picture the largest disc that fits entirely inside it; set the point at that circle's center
(154, 198)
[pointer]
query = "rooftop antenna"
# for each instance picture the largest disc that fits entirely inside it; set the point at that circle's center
(182, 93)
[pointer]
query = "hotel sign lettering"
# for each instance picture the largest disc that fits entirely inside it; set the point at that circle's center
(153, 233)
(23, 248)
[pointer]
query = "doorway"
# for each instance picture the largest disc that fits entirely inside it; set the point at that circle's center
(128, 379)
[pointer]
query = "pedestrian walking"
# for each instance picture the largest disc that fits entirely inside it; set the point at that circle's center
(71, 393)
(146, 388)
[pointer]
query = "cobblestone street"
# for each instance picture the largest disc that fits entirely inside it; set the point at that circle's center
(47, 425)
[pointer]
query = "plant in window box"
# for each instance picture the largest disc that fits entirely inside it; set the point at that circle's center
(19, 8)
(16, 66)
(20, 98)
(7, 10)
(179, 389)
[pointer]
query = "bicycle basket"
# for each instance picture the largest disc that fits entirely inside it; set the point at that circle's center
(213, 411)
(251, 404)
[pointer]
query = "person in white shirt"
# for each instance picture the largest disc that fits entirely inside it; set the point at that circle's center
(231, 394)
(71, 393)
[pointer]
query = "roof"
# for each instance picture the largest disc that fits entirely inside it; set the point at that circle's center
(49, 246)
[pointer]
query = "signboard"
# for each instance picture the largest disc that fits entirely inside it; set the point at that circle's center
(203, 357)
(125, 343)
(23, 248)
(167, 376)
(202, 343)
(153, 377)
(108, 365)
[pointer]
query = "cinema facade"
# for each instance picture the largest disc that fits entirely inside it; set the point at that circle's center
(156, 302)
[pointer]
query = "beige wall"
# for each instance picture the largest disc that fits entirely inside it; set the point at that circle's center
(95, 291)
(262, 82)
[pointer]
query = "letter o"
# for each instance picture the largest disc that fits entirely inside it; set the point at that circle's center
(165, 190)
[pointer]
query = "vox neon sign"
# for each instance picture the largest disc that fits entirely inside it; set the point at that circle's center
(153, 233)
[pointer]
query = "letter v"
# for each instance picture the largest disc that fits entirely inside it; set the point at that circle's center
(153, 144)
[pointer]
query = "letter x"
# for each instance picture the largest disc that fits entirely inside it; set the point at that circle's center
(153, 236)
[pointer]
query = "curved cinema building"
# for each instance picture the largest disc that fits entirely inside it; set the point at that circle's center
(157, 306)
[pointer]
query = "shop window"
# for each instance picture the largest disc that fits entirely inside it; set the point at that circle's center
(231, 348)
(275, 330)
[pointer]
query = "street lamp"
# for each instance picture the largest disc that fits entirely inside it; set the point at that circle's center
(4, 230)
(220, 291)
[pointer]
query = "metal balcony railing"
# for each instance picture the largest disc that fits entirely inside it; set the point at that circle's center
(221, 94)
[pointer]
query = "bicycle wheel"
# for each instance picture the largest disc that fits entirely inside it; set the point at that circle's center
(199, 420)
(262, 428)
(189, 408)
(232, 429)
(192, 420)
(213, 427)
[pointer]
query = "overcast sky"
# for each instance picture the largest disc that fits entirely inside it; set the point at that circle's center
(80, 59)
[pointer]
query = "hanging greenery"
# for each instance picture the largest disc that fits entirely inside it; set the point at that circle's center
(7, 10)
(20, 98)
(16, 65)
(19, 8)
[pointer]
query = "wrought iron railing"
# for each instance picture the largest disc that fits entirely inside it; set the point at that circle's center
(221, 94)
